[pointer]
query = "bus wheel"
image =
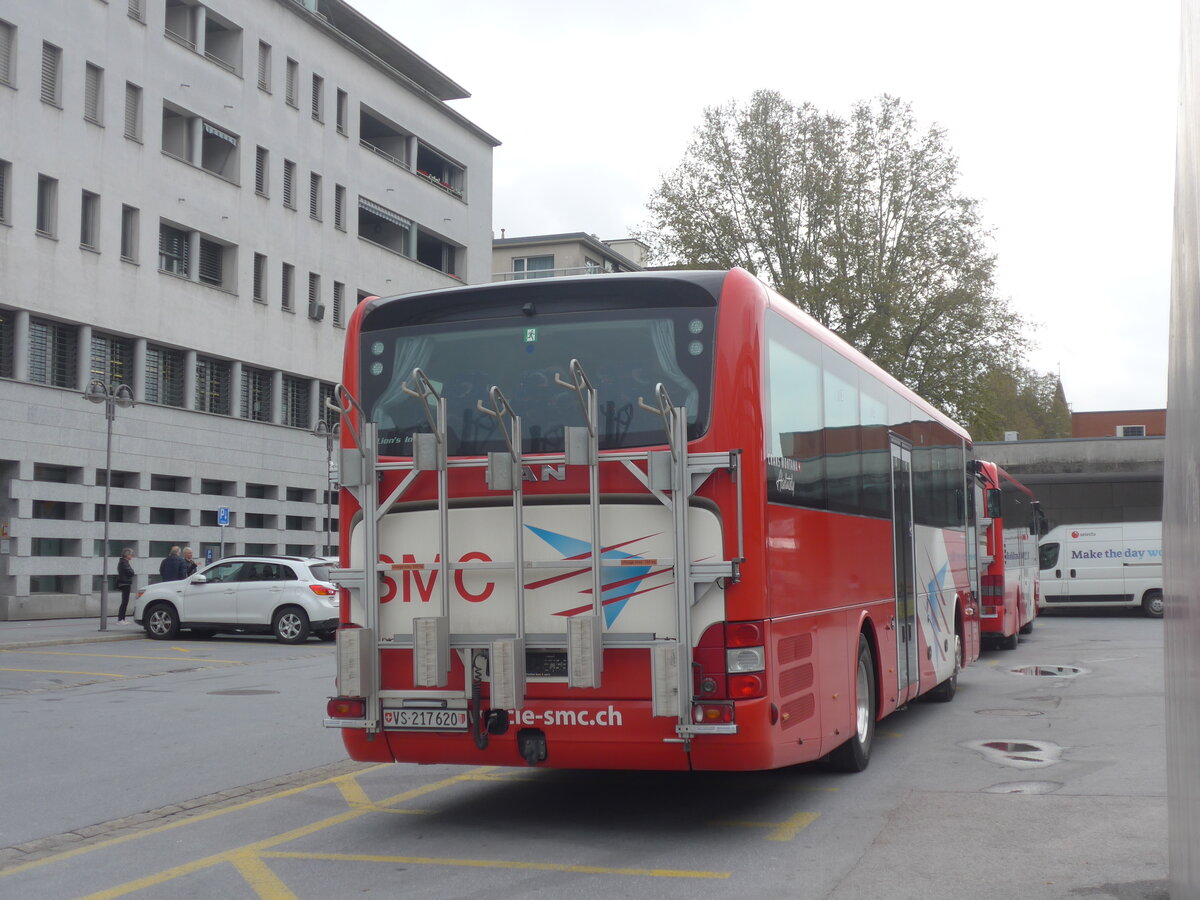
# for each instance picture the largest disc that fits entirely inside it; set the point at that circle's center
(945, 691)
(1027, 628)
(1152, 604)
(854, 755)
(1008, 643)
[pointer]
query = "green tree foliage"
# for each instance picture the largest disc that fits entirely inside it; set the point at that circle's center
(859, 221)
(1023, 401)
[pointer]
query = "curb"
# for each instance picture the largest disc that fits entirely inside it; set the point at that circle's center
(51, 642)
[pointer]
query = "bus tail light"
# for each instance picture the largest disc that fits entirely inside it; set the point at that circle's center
(992, 587)
(744, 687)
(712, 713)
(745, 660)
(346, 708)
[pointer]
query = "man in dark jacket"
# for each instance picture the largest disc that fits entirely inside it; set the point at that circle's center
(173, 568)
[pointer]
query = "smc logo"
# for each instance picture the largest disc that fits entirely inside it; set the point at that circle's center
(424, 587)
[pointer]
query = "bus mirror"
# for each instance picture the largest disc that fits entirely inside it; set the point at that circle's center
(993, 503)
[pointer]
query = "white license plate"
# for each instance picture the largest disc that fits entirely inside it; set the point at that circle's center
(426, 719)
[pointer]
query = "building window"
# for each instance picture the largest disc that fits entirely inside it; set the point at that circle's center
(264, 66)
(112, 359)
(212, 262)
(7, 326)
(93, 94)
(172, 250)
(260, 278)
(8, 40)
(212, 386)
(256, 394)
(218, 148)
(532, 267)
(89, 221)
(5, 180)
(218, 152)
(129, 233)
(222, 42)
(293, 76)
(318, 98)
(294, 402)
(133, 111)
(287, 285)
(339, 207)
(289, 184)
(262, 164)
(136, 11)
(47, 206)
(165, 370)
(440, 171)
(316, 309)
(339, 302)
(51, 74)
(343, 104)
(382, 226)
(326, 394)
(52, 353)
(314, 195)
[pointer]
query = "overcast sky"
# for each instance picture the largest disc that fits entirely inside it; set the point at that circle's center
(1061, 112)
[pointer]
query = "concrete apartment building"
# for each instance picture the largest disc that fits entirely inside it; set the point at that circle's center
(572, 253)
(193, 197)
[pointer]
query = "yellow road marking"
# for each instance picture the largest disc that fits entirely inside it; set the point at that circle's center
(63, 672)
(891, 734)
(178, 823)
(780, 831)
(259, 846)
(265, 883)
(496, 864)
(111, 655)
(182, 649)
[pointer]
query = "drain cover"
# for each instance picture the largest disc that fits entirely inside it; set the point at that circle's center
(1050, 671)
(245, 692)
(1018, 754)
(1024, 787)
(1007, 712)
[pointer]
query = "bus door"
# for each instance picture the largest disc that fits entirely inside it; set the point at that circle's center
(907, 668)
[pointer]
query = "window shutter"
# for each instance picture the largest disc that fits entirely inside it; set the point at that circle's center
(50, 60)
(91, 93)
(133, 112)
(211, 258)
(6, 41)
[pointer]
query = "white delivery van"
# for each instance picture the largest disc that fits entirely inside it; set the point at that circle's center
(1115, 564)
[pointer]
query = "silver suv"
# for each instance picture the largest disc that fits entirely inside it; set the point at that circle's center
(288, 596)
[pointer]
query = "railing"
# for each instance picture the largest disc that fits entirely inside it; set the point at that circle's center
(228, 66)
(547, 273)
(438, 183)
(180, 39)
(396, 161)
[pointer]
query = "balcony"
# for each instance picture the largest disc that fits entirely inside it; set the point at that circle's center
(547, 273)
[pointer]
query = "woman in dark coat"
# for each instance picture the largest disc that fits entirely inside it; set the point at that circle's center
(125, 576)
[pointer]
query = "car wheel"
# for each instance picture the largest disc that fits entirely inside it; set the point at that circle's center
(290, 625)
(327, 635)
(162, 622)
(1152, 604)
(854, 755)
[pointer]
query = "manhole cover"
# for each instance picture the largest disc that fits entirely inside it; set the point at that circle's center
(1018, 754)
(1024, 787)
(1007, 712)
(245, 692)
(1050, 671)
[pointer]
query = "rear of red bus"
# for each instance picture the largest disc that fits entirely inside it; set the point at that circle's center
(1009, 579)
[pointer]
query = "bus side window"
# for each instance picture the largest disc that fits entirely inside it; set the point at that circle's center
(993, 504)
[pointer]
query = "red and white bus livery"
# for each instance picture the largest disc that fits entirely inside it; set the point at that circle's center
(1010, 521)
(649, 521)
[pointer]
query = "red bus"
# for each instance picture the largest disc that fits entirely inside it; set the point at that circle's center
(1010, 584)
(639, 521)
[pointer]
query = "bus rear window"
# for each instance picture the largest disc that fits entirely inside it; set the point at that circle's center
(624, 353)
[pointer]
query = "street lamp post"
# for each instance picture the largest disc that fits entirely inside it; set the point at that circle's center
(331, 433)
(112, 396)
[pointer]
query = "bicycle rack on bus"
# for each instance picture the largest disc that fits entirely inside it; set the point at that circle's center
(672, 476)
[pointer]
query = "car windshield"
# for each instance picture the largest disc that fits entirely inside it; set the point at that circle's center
(1049, 555)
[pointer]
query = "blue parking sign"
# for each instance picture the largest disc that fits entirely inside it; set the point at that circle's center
(223, 515)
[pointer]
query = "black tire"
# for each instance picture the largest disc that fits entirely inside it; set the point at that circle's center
(945, 691)
(1027, 628)
(1008, 643)
(327, 635)
(1152, 604)
(161, 622)
(855, 754)
(290, 625)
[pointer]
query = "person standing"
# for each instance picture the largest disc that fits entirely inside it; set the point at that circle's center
(173, 568)
(125, 576)
(191, 563)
